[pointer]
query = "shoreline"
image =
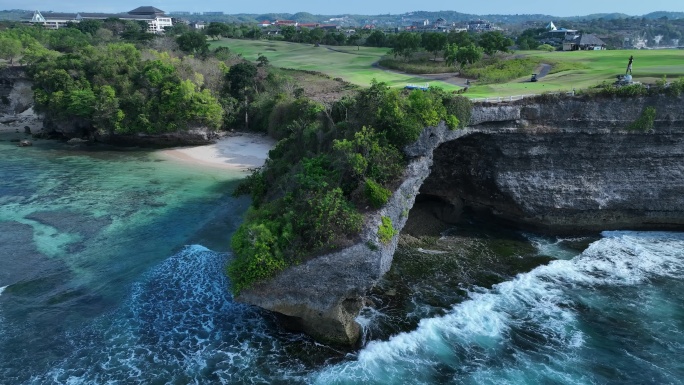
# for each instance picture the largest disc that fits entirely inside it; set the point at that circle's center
(239, 152)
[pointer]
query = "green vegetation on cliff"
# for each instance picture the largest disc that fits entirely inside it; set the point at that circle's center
(333, 163)
(106, 78)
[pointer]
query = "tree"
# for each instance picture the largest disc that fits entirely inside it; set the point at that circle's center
(215, 30)
(354, 39)
(68, 40)
(377, 38)
(89, 26)
(176, 29)
(316, 35)
(263, 61)
(288, 32)
(528, 38)
(406, 44)
(9, 48)
(460, 39)
(136, 31)
(433, 42)
(193, 43)
(469, 54)
(492, 42)
(240, 82)
(450, 51)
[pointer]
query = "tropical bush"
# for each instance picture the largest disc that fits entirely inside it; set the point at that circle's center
(386, 230)
(376, 194)
(546, 47)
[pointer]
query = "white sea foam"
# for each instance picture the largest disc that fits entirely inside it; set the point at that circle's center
(180, 324)
(2, 289)
(553, 247)
(535, 306)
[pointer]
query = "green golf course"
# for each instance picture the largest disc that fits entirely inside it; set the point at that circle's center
(356, 66)
(599, 66)
(348, 63)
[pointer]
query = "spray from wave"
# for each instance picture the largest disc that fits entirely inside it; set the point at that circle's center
(180, 325)
(525, 331)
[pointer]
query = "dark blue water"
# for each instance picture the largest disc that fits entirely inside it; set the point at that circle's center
(102, 280)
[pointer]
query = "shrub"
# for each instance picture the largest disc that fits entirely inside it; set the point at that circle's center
(376, 194)
(257, 256)
(415, 67)
(502, 70)
(546, 47)
(675, 88)
(386, 231)
(644, 122)
(254, 184)
(460, 107)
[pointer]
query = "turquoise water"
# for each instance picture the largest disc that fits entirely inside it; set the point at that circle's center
(111, 271)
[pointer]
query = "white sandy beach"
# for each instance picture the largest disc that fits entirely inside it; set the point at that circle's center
(239, 152)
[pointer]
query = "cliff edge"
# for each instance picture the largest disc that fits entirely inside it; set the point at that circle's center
(553, 164)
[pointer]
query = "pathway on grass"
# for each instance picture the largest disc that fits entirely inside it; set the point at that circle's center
(543, 70)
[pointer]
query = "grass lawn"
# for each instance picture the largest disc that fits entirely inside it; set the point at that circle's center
(348, 63)
(649, 66)
(356, 66)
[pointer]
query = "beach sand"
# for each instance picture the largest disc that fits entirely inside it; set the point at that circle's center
(238, 152)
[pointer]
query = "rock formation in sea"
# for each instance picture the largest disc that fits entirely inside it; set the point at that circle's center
(552, 164)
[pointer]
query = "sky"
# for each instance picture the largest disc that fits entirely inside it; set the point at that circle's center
(364, 7)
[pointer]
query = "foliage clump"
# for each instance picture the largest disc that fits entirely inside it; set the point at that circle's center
(376, 194)
(386, 230)
(644, 122)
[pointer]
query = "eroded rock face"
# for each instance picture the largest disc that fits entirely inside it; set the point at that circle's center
(557, 165)
(566, 182)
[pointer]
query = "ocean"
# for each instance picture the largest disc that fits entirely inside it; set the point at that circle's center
(112, 271)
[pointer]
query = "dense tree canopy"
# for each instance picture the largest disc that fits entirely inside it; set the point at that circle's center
(193, 43)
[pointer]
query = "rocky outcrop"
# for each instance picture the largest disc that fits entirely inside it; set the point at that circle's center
(16, 100)
(323, 296)
(16, 114)
(82, 129)
(554, 164)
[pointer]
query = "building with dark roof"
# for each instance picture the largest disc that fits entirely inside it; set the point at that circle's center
(584, 42)
(156, 18)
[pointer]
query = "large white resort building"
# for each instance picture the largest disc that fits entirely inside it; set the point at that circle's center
(156, 18)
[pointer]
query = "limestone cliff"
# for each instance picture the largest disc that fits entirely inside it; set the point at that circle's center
(16, 98)
(556, 164)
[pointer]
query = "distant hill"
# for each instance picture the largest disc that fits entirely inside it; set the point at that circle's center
(396, 19)
(660, 14)
(594, 16)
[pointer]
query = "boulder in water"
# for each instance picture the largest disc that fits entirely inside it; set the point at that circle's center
(25, 143)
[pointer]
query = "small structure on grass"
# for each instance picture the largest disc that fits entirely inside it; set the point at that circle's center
(584, 42)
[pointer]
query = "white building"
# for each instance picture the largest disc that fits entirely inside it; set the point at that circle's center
(156, 18)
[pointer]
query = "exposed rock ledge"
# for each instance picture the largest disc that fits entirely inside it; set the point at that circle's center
(562, 165)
